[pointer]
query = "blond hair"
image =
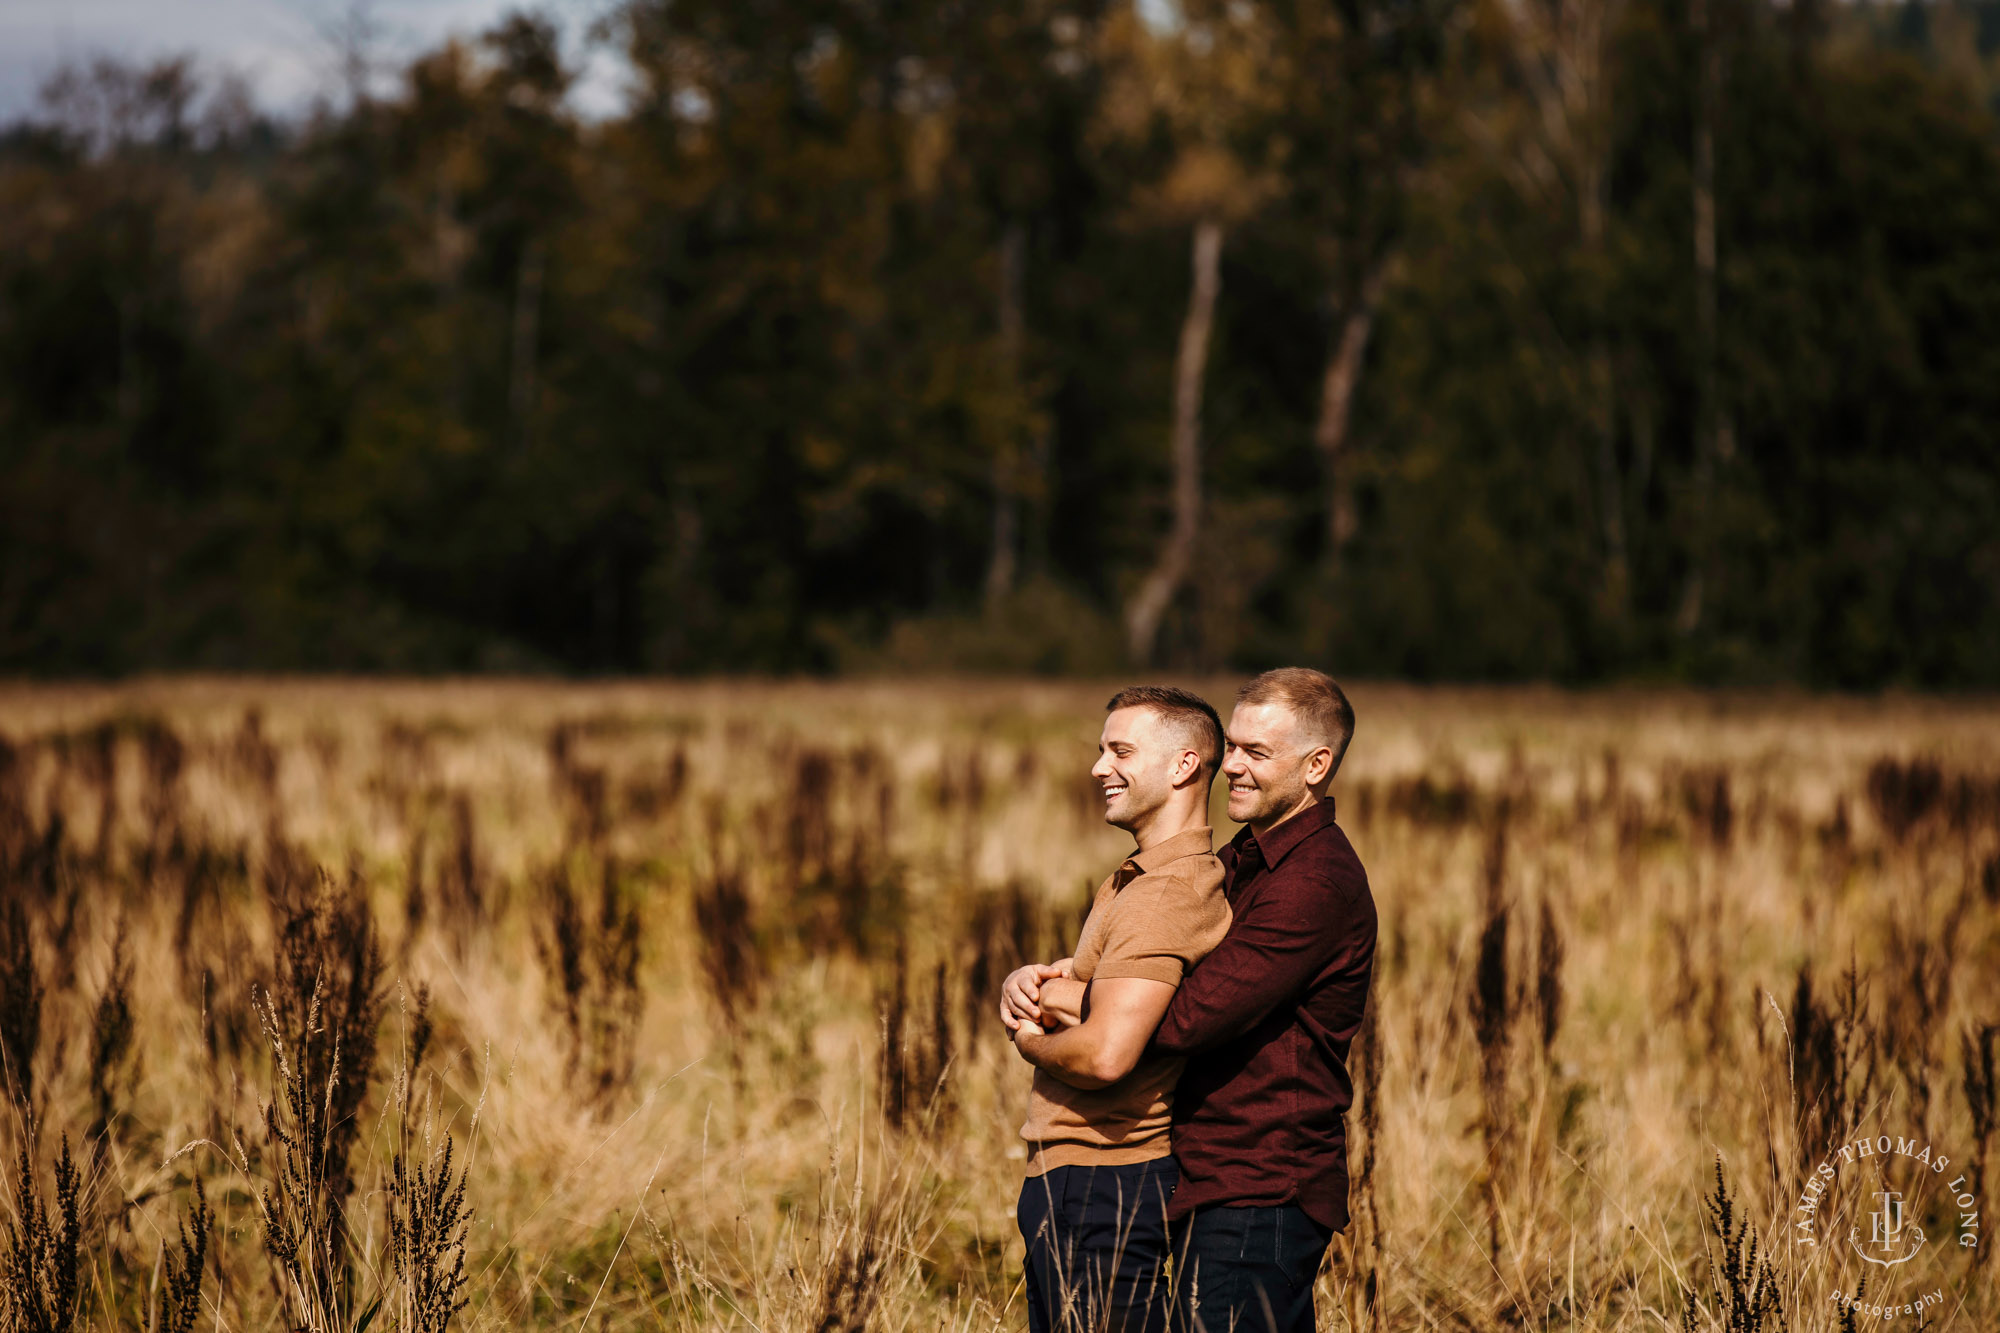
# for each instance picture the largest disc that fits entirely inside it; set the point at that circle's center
(1192, 717)
(1314, 699)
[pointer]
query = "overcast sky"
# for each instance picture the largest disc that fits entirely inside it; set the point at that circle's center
(288, 49)
(285, 48)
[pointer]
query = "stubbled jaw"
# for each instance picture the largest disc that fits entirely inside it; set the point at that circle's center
(1244, 797)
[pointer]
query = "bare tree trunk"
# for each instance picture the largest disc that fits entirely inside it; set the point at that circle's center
(1000, 570)
(1142, 618)
(527, 325)
(1336, 406)
(1707, 414)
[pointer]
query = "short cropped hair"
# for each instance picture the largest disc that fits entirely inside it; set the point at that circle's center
(1191, 716)
(1314, 698)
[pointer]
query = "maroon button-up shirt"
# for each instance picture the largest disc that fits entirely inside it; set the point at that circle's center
(1266, 1022)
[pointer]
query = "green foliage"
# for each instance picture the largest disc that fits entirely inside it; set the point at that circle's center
(771, 369)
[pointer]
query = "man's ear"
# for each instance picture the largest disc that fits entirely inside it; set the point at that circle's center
(1183, 773)
(1319, 766)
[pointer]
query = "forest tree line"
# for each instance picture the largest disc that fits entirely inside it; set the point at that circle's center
(1566, 339)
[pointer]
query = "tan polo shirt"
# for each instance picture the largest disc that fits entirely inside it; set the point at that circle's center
(1159, 914)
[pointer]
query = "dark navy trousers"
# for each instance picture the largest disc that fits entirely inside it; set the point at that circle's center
(1097, 1247)
(1246, 1270)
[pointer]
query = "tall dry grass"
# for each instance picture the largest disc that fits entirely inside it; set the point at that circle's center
(331, 1005)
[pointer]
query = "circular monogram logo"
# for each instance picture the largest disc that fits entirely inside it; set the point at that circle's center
(1891, 1222)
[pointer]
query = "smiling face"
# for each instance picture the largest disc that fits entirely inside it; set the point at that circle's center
(1138, 757)
(1270, 767)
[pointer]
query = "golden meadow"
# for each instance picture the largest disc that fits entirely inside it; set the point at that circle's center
(333, 1005)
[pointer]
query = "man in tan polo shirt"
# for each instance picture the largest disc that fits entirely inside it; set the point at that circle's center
(1100, 1171)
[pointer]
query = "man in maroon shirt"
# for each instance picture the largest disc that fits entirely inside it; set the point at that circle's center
(1265, 1023)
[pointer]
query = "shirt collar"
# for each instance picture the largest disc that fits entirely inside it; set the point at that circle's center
(1188, 842)
(1278, 843)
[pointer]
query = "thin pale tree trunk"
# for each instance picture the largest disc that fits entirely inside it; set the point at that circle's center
(1336, 407)
(1149, 607)
(1000, 570)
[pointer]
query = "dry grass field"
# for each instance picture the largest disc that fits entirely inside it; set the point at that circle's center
(338, 1005)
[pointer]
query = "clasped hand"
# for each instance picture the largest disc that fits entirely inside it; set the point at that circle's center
(1030, 1004)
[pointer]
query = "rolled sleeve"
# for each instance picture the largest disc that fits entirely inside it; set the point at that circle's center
(1162, 930)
